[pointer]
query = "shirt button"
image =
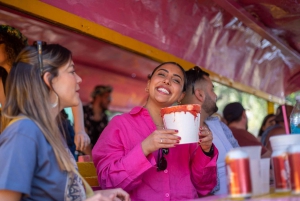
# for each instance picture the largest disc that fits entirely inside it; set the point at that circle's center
(166, 171)
(167, 195)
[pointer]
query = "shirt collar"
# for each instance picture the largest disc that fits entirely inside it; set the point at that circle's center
(211, 118)
(137, 110)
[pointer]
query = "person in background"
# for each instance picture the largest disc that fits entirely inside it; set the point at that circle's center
(136, 153)
(278, 128)
(268, 121)
(69, 132)
(200, 90)
(35, 163)
(12, 41)
(95, 118)
(236, 118)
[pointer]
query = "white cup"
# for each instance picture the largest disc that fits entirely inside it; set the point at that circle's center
(185, 119)
(281, 169)
(264, 176)
(282, 142)
(253, 151)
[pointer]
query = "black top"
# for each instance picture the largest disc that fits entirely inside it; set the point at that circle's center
(93, 128)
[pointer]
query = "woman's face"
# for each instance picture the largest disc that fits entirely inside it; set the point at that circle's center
(66, 85)
(166, 84)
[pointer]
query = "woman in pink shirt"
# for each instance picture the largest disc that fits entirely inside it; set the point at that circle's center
(136, 153)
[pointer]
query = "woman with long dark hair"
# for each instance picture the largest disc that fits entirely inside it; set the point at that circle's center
(136, 153)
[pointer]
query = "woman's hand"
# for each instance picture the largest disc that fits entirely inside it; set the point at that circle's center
(116, 194)
(99, 197)
(205, 139)
(82, 140)
(160, 139)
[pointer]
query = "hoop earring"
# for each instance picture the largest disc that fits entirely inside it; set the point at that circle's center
(53, 105)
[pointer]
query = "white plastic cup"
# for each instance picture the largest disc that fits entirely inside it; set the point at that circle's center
(254, 152)
(281, 168)
(282, 142)
(185, 119)
(265, 176)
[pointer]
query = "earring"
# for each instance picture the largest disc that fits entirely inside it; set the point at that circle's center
(146, 90)
(179, 102)
(53, 105)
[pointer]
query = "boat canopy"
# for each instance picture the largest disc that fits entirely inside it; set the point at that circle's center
(251, 45)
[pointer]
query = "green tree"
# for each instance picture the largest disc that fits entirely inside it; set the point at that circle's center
(256, 108)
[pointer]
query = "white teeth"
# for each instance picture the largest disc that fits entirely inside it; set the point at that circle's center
(163, 90)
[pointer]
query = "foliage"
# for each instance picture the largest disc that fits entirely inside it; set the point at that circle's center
(256, 108)
(291, 99)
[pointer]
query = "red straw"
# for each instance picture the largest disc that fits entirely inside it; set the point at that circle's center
(286, 125)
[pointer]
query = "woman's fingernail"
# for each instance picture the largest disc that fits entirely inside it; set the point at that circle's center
(176, 131)
(200, 140)
(177, 141)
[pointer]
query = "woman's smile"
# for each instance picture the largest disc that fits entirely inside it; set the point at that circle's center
(163, 90)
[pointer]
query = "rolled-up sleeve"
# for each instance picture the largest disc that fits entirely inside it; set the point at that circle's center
(116, 164)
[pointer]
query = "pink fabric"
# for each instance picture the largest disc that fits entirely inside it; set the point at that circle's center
(212, 34)
(120, 162)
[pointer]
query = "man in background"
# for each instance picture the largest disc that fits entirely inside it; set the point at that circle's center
(200, 90)
(236, 118)
(95, 118)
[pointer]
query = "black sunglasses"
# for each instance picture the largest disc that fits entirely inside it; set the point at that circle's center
(161, 160)
(39, 44)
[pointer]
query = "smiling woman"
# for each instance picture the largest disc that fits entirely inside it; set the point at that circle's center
(176, 80)
(147, 160)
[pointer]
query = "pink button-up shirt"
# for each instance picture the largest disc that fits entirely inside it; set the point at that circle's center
(120, 162)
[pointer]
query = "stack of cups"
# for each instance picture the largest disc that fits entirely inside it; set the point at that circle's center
(282, 160)
(238, 174)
